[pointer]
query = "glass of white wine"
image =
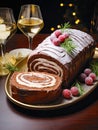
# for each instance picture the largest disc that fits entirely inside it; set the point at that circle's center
(7, 29)
(30, 21)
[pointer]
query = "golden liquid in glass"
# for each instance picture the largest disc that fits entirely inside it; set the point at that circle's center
(30, 26)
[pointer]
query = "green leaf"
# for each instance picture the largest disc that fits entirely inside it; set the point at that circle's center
(80, 88)
(11, 67)
(68, 45)
(94, 66)
(66, 25)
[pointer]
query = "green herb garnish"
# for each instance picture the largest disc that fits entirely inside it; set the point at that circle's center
(80, 88)
(65, 26)
(94, 66)
(68, 45)
(11, 67)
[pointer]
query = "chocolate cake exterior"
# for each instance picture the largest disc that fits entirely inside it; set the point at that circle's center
(35, 87)
(48, 57)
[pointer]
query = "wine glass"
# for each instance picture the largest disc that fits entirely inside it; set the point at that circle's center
(30, 21)
(7, 29)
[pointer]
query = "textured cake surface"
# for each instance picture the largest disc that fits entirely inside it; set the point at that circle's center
(50, 58)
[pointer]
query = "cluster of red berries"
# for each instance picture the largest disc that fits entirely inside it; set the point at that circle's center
(58, 37)
(68, 93)
(88, 77)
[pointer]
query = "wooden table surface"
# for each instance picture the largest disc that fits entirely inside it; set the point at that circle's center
(83, 115)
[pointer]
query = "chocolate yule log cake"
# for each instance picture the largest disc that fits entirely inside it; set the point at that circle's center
(64, 53)
(35, 87)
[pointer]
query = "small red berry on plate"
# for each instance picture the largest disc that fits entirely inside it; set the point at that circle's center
(88, 80)
(93, 76)
(58, 33)
(82, 77)
(87, 71)
(74, 91)
(67, 94)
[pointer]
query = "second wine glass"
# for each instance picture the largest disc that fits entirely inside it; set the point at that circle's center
(30, 21)
(7, 30)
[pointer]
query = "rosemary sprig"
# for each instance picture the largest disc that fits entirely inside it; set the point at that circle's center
(94, 66)
(11, 67)
(80, 88)
(68, 45)
(65, 26)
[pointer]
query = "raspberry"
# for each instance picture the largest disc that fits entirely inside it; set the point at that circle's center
(93, 76)
(58, 33)
(88, 80)
(82, 77)
(87, 71)
(67, 93)
(74, 91)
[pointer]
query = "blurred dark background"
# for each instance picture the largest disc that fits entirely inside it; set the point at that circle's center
(56, 12)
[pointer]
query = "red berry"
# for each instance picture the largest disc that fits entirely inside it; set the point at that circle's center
(61, 38)
(87, 71)
(74, 91)
(52, 36)
(82, 77)
(56, 41)
(58, 33)
(93, 76)
(88, 80)
(66, 35)
(67, 93)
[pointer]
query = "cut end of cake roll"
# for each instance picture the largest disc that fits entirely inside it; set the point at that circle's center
(35, 87)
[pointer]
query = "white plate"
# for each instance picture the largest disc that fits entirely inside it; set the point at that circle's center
(59, 103)
(20, 53)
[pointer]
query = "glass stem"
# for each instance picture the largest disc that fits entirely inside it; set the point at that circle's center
(30, 42)
(2, 51)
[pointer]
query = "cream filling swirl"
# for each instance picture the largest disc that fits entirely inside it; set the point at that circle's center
(45, 80)
(44, 64)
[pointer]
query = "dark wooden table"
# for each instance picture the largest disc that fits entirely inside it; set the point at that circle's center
(83, 115)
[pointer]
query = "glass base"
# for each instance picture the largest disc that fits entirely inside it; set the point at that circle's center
(3, 71)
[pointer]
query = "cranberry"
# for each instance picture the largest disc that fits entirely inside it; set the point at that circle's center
(66, 35)
(67, 94)
(87, 71)
(61, 38)
(58, 33)
(56, 41)
(88, 80)
(93, 76)
(74, 91)
(82, 77)
(52, 36)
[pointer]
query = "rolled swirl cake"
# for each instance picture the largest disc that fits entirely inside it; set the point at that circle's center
(50, 56)
(35, 87)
